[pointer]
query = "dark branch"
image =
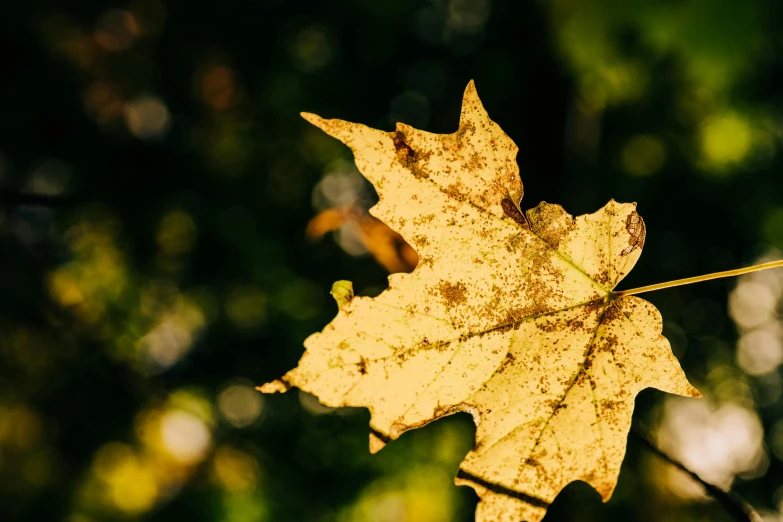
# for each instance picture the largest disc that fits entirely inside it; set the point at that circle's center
(732, 502)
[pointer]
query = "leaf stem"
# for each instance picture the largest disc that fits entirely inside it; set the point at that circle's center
(732, 502)
(698, 279)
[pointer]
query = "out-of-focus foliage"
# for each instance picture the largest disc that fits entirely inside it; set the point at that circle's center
(156, 184)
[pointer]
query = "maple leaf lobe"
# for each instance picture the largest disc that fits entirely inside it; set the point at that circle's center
(509, 316)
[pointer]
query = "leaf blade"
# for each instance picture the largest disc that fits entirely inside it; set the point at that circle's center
(516, 325)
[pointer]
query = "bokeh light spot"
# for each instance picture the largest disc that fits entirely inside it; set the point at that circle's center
(240, 405)
(218, 87)
(643, 155)
(20, 427)
(424, 493)
(246, 307)
(715, 442)
(117, 30)
(172, 337)
(235, 470)
(176, 233)
(51, 177)
(131, 486)
(760, 351)
(147, 118)
(725, 139)
(311, 49)
(104, 102)
(468, 16)
(185, 436)
(752, 303)
(38, 468)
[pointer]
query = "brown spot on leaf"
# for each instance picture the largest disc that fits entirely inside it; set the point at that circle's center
(409, 158)
(453, 294)
(512, 211)
(634, 224)
(420, 240)
(362, 366)
(551, 223)
(405, 153)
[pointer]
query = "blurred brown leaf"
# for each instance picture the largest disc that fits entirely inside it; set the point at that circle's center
(387, 247)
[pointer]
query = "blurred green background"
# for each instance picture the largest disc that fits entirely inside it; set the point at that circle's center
(156, 187)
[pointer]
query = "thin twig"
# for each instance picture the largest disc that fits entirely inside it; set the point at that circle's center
(733, 503)
(697, 279)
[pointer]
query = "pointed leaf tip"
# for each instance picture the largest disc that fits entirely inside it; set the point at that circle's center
(312, 118)
(470, 93)
(472, 108)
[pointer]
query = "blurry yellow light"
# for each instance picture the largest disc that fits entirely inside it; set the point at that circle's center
(20, 427)
(185, 436)
(229, 147)
(37, 468)
(311, 49)
(176, 233)
(218, 87)
(107, 456)
(235, 469)
(240, 404)
(167, 343)
(468, 16)
(157, 297)
(131, 485)
(192, 401)
(172, 337)
(104, 102)
(97, 275)
(147, 118)
(50, 177)
(246, 307)
(715, 442)
(424, 494)
(117, 30)
(752, 303)
(133, 489)
(725, 139)
(643, 155)
(65, 288)
(760, 351)
(623, 81)
(244, 506)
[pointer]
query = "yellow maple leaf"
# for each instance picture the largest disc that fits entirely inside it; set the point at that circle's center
(509, 316)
